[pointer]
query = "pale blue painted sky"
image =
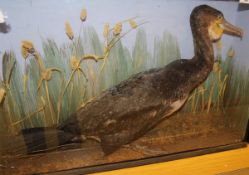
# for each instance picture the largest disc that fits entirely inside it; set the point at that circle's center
(33, 19)
(242, 46)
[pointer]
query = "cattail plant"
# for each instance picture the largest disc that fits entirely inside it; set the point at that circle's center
(195, 97)
(231, 53)
(117, 35)
(219, 49)
(222, 88)
(106, 31)
(45, 76)
(45, 73)
(76, 59)
(76, 67)
(32, 114)
(8, 66)
(106, 34)
(110, 41)
(2, 96)
(83, 15)
(133, 23)
(216, 69)
(69, 31)
(117, 29)
(221, 84)
(27, 49)
(5, 113)
(202, 90)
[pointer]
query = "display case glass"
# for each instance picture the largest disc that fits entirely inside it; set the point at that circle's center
(88, 86)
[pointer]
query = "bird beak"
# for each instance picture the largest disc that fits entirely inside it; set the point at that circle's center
(232, 30)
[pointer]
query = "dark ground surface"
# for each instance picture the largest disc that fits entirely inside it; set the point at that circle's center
(177, 134)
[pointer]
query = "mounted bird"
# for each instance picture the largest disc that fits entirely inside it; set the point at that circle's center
(130, 109)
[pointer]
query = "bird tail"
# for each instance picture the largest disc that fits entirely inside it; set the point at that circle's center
(33, 140)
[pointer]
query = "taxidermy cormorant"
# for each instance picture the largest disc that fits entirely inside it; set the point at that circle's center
(130, 109)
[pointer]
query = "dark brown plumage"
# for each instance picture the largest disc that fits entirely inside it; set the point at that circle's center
(130, 109)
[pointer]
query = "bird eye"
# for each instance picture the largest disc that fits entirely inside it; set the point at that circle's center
(219, 17)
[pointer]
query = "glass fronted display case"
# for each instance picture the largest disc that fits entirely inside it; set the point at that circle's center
(97, 85)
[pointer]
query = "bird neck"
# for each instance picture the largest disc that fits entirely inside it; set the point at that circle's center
(203, 47)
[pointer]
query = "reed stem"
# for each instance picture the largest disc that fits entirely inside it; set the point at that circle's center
(49, 102)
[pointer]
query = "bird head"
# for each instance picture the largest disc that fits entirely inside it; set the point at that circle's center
(208, 19)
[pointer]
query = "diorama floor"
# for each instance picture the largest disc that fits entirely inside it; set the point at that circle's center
(175, 135)
(80, 157)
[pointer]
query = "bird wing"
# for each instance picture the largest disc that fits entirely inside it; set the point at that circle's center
(133, 95)
(129, 104)
(130, 109)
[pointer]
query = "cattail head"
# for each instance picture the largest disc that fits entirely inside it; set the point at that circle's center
(75, 63)
(106, 30)
(27, 48)
(216, 67)
(69, 30)
(133, 23)
(117, 29)
(231, 53)
(2, 95)
(47, 75)
(83, 15)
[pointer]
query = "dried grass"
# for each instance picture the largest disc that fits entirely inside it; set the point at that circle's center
(69, 30)
(2, 95)
(83, 15)
(117, 29)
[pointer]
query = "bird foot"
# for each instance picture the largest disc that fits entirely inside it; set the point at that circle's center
(144, 150)
(79, 139)
(95, 138)
(83, 138)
